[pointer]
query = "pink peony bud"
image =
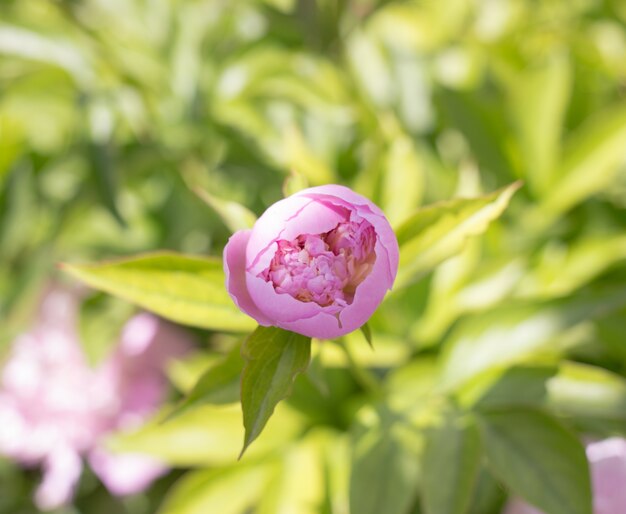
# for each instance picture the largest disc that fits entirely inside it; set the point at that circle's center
(318, 263)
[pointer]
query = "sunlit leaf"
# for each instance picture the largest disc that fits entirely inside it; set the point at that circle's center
(294, 182)
(522, 333)
(303, 463)
(437, 232)
(588, 392)
(227, 490)
(209, 435)
(508, 386)
(538, 99)
(562, 269)
(591, 160)
(274, 357)
(233, 214)
(186, 289)
(403, 180)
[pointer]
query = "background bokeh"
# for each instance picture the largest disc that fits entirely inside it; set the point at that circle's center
(133, 125)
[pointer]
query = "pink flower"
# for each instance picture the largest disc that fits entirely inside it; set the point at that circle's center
(607, 460)
(55, 409)
(318, 263)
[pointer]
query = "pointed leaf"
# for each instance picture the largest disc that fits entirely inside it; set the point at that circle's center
(385, 465)
(185, 289)
(367, 333)
(403, 180)
(538, 98)
(451, 462)
(227, 490)
(274, 358)
(590, 392)
(439, 231)
(293, 183)
(234, 215)
(537, 459)
(592, 158)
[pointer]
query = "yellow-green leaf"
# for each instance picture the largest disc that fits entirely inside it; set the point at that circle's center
(439, 231)
(186, 289)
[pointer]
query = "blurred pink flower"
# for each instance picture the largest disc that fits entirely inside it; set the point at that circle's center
(318, 262)
(55, 408)
(607, 460)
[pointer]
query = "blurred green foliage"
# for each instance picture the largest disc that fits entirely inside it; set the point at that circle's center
(135, 125)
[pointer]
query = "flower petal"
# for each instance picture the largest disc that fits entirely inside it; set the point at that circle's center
(235, 270)
(313, 217)
(368, 294)
(370, 212)
(321, 326)
(126, 473)
(61, 471)
(276, 306)
(342, 192)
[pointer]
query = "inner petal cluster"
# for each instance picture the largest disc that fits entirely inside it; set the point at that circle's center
(324, 268)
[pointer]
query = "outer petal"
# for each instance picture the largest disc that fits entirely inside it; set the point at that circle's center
(124, 474)
(133, 376)
(343, 193)
(322, 326)
(235, 270)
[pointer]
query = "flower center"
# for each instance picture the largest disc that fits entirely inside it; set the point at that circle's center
(324, 268)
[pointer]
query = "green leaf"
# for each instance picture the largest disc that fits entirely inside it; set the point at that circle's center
(484, 127)
(451, 462)
(537, 459)
(563, 269)
(234, 215)
(507, 386)
(521, 333)
(538, 98)
(208, 435)
(585, 391)
(227, 490)
(385, 465)
(188, 290)
(403, 180)
(367, 333)
(488, 494)
(302, 463)
(293, 183)
(219, 384)
(274, 357)
(592, 158)
(439, 231)
(104, 175)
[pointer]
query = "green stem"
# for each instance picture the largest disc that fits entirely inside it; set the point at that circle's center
(364, 378)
